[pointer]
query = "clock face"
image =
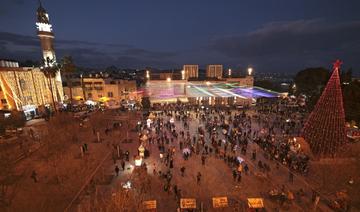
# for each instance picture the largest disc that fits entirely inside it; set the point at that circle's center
(44, 27)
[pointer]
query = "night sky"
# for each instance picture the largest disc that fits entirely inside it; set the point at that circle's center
(270, 35)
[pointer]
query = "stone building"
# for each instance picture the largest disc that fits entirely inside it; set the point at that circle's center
(25, 89)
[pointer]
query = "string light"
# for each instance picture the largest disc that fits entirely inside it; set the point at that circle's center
(325, 127)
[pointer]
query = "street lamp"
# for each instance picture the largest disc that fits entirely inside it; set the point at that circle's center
(168, 79)
(147, 74)
(182, 74)
(229, 72)
(250, 70)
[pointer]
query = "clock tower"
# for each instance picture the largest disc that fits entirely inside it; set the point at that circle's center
(44, 31)
(46, 36)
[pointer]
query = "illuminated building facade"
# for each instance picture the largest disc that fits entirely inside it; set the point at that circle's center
(214, 71)
(25, 89)
(191, 71)
(107, 90)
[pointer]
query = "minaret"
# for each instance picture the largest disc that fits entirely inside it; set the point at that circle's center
(46, 36)
(44, 31)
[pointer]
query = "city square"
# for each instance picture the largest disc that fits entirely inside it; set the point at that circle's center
(96, 124)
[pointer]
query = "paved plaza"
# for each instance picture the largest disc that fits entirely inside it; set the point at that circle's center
(216, 175)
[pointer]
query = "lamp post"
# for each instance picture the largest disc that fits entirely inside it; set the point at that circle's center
(182, 74)
(147, 74)
(250, 71)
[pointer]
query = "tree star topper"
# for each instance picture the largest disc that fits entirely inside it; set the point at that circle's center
(337, 64)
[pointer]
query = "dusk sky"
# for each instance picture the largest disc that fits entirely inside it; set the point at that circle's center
(270, 35)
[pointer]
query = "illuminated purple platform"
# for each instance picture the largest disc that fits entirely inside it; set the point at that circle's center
(255, 92)
(164, 91)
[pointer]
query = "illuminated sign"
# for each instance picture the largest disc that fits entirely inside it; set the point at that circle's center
(255, 203)
(148, 205)
(187, 203)
(220, 202)
(44, 27)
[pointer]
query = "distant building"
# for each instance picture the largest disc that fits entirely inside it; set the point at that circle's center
(106, 90)
(214, 71)
(166, 75)
(247, 81)
(191, 71)
(8, 63)
(163, 75)
(25, 89)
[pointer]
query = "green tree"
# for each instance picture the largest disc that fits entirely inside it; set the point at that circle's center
(2, 124)
(311, 81)
(50, 69)
(16, 119)
(267, 84)
(346, 76)
(351, 95)
(145, 102)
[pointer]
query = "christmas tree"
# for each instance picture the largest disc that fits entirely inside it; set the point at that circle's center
(325, 127)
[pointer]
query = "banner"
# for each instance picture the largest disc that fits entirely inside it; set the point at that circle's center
(187, 203)
(255, 202)
(220, 202)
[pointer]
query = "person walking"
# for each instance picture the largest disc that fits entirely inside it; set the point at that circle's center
(254, 154)
(239, 176)
(175, 188)
(171, 164)
(291, 177)
(203, 160)
(198, 178)
(246, 169)
(123, 165)
(182, 170)
(117, 170)
(114, 157)
(234, 174)
(34, 176)
(86, 147)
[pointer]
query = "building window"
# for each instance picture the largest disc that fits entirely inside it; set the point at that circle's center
(100, 95)
(110, 94)
(89, 95)
(3, 101)
(22, 84)
(28, 98)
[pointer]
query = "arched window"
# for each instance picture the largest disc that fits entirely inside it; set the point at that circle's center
(22, 84)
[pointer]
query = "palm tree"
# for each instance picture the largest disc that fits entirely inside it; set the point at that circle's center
(50, 68)
(67, 69)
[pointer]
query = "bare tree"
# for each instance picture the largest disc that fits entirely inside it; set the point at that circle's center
(127, 199)
(10, 181)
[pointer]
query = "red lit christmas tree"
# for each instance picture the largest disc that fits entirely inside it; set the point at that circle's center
(325, 127)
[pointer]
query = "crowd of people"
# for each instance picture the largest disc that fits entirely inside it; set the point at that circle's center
(224, 134)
